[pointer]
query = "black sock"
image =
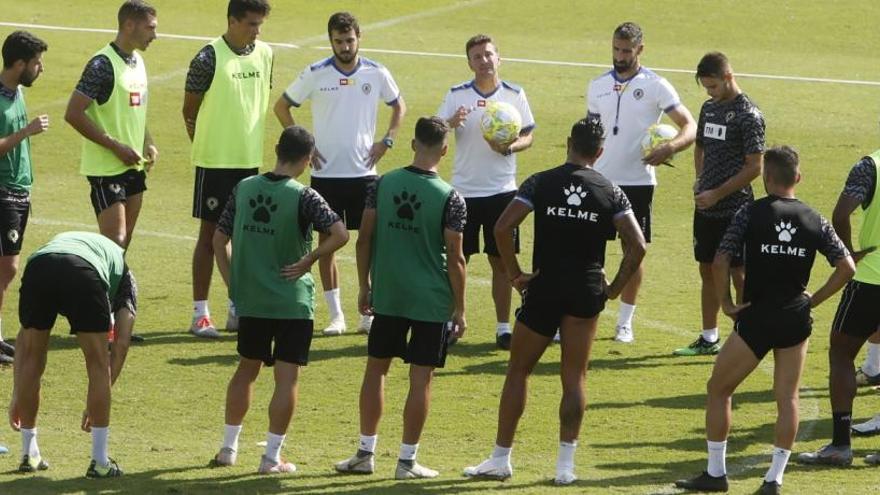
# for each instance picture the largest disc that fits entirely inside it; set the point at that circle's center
(842, 424)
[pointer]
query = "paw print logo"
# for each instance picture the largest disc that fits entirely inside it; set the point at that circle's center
(407, 205)
(264, 208)
(786, 231)
(573, 195)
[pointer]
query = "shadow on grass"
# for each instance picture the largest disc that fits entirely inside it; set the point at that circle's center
(696, 401)
(551, 367)
(231, 358)
(155, 482)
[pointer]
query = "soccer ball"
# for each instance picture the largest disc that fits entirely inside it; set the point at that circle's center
(656, 135)
(501, 122)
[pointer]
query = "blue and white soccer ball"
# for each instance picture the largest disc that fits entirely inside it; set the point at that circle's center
(656, 135)
(501, 122)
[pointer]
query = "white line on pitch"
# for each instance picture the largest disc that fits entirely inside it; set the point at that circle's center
(450, 55)
(393, 21)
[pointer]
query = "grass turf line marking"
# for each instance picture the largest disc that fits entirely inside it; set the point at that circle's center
(560, 63)
(393, 21)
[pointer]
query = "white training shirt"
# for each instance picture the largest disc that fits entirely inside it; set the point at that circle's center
(479, 171)
(344, 110)
(632, 106)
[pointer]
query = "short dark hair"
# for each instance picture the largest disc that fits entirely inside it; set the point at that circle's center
(240, 8)
(713, 64)
(135, 10)
(343, 22)
(294, 144)
(629, 31)
(587, 136)
(431, 131)
(478, 39)
(781, 163)
(21, 45)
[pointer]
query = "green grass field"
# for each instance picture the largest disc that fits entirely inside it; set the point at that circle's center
(644, 422)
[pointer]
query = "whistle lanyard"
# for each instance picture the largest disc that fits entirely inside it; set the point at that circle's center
(620, 93)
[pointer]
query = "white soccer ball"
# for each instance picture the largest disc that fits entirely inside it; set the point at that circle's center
(501, 122)
(656, 135)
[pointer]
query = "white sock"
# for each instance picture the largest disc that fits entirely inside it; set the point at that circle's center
(273, 446)
(1, 330)
(710, 335)
(29, 443)
(717, 452)
(871, 365)
(502, 327)
(200, 309)
(408, 452)
(231, 306)
(333, 303)
(777, 466)
(502, 452)
(625, 314)
(99, 445)
(230, 437)
(565, 460)
(368, 443)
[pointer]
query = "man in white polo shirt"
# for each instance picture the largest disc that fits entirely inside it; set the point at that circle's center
(483, 172)
(629, 99)
(345, 90)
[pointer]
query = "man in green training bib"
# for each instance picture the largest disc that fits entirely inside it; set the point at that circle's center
(858, 316)
(224, 108)
(82, 276)
(268, 220)
(22, 65)
(109, 109)
(411, 270)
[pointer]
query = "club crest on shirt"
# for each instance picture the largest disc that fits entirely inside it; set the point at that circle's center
(729, 116)
(638, 93)
(366, 88)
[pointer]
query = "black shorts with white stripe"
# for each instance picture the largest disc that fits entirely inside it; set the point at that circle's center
(858, 314)
(15, 206)
(110, 189)
(212, 189)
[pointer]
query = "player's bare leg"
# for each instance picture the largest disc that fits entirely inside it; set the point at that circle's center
(330, 282)
(502, 293)
(202, 270)
(111, 223)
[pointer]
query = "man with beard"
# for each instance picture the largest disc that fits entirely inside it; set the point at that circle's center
(227, 144)
(728, 156)
(485, 172)
(22, 65)
(345, 90)
(109, 109)
(629, 99)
